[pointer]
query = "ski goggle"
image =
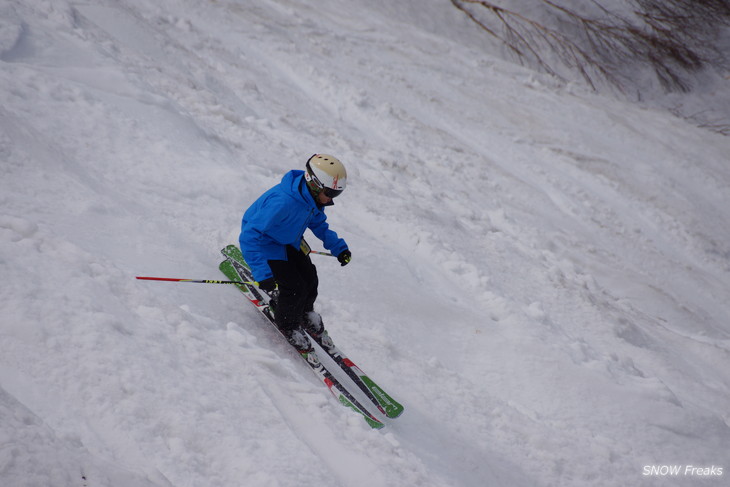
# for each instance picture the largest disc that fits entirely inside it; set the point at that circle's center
(332, 193)
(317, 185)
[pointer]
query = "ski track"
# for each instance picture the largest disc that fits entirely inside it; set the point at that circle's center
(540, 274)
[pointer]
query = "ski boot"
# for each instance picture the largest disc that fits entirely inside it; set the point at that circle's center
(273, 299)
(299, 340)
(315, 327)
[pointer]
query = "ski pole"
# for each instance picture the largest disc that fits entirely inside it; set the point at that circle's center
(304, 246)
(321, 253)
(197, 281)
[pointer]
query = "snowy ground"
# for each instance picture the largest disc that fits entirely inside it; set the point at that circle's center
(540, 275)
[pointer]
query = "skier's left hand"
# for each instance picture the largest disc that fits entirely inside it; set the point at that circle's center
(344, 257)
(267, 285)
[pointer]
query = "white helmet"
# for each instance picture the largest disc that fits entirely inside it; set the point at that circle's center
(326, 173)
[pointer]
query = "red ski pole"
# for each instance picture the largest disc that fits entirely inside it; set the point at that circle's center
(197, 281)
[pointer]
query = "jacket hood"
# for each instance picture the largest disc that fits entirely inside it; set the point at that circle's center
(296, 186)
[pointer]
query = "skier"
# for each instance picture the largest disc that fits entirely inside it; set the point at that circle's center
(273, 246)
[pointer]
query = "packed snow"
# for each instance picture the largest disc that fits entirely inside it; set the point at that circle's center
(540, 274)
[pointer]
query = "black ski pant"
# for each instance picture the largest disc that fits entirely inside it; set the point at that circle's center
(298, 283)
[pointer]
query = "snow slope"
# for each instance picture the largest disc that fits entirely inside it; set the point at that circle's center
(540, 275)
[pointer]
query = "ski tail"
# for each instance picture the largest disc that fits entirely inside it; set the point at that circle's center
(380, 399)
(389, 406)
(346, 399)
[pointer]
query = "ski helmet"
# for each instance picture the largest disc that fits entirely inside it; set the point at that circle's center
(326, 173)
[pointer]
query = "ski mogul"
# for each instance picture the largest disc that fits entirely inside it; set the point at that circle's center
(272, 244)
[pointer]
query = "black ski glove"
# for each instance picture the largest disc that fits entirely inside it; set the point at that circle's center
(344, 257)
(267, 285)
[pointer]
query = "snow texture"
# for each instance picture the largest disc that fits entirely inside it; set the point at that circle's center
(540, 274)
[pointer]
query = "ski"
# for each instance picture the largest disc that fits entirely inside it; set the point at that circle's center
(383, 401)
(385, 404)
(256, 297)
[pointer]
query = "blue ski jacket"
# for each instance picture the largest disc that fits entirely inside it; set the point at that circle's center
(279, 218)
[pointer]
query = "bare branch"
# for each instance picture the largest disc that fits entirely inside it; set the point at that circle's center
(673, 37)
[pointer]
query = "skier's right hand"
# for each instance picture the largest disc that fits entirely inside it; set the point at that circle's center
(267, 285)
